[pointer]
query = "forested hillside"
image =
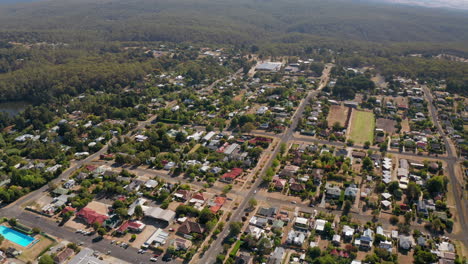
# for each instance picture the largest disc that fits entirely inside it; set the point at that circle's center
(227, 21)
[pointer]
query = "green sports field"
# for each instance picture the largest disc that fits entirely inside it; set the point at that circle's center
(362, 127)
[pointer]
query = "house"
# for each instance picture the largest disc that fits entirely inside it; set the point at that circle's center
(289, 171)
(134, 226)
(254, 231)
(157, 213)
(348, 232)
(351, 191)
(137, 202)
(302, 223)
(198, 200)
(358, 154)
(181, 244)
(296, 187)
(277, 256)
(158, 238)
(267, 212)
(90, 216)
(421, 241)
(63, 256)
(134, 185)
(332, 191)
(190, 227)
(150, 184)
(317, 174)
(216, 203)
(336, 240)
(295, 238)
(69, 184)
(341, 152)
(351, 104)
(320, 225)
(386, 245)
(405, 242)
(258, 221)
(280, 184)
(182, 195)
(229, 177)
(366, 239)
(67, 209)
(421, 207)
(269, 66)
(231, 149)
(169, 165)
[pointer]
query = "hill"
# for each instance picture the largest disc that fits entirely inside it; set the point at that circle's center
(227, 21)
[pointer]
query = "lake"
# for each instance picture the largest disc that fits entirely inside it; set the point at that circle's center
(13, 108)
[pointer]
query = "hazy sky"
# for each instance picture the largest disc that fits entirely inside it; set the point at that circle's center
(456, 4)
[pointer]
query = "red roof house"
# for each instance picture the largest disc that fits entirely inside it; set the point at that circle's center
(217, 203)
(90, 216)
(135, 226)
(68, 209)
(232, 175)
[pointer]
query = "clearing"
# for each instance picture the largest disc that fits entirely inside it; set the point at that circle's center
(387, 125)
(362, 127)
(338, 113)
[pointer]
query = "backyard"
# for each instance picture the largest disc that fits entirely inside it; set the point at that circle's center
(362, 127)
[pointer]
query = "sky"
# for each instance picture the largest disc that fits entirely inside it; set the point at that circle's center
(455, 4)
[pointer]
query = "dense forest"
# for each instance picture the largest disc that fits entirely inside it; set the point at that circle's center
(226, 21)
(84, 42)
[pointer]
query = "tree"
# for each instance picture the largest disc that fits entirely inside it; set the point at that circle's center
(101, 231)
(328, 230)
(227, 188)
(367, 144)
(138, 211)
(423, 257)
(394, 219)
(436, 184)
(252, 203)
(46, 259)
(346, 207)
(96, 225)
(413, 191)
(248, 127)
(314, 252)
(205, 216)
(235, 228)
(367, 164)
(36, 230)
(1, 239)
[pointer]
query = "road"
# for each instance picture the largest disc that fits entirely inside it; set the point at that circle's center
(457, 187)
(129, 255)
(216, 246)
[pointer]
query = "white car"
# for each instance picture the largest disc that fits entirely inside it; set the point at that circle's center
(153, 259)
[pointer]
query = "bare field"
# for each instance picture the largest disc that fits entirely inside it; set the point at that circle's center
(387, 125)
(337, 113)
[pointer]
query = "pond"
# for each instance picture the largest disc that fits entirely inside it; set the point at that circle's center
(13, 108)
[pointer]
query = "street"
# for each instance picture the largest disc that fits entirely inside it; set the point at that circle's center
(216, 246)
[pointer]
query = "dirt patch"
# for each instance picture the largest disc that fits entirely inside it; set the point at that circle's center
(387, 125)
(338, 113)
(98, 207)
(405, 127)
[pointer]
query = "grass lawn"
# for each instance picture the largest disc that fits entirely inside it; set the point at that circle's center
(362, 127)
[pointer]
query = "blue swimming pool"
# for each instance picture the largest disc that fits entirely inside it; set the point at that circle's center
(15, 236)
